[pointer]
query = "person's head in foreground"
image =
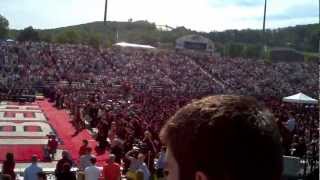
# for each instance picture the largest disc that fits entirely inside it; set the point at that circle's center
(222, 138)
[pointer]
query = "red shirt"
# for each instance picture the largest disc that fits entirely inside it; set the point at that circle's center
(83, 150)
(8, 168)
(52, 144)
(111, 171)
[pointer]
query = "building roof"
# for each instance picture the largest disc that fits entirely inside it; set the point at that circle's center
(125, 44)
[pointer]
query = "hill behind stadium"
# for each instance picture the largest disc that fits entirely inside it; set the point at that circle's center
(301, 37)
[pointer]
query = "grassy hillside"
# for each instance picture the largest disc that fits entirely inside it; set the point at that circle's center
(303, 37)
(135, 32)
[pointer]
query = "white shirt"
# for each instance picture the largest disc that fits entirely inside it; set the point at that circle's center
(92, 173)
(85, 161)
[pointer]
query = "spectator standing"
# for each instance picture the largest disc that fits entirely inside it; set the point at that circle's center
(84, 147)
(85, 160)
(111, 171)
(31, 172)
(66, 173)
(9, 165)
(116, 149)
(143, 167)
(301, 148)
(133, 163)
(161, 162)
(92, 172)
(149, 150)
(65, 159)
(291, 124)
(52, 145)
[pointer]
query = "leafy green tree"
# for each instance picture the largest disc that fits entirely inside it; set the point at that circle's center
(4, 27)
(13, 34)
(109, 43)
(60, 38)
(302, 38)
(150, 38)
(28, 34)
(95, 40)
(68, 36)
(46, 37)
(253, 51)
(313, 41)
(234, 50)
(219, 48)
(72, 36)
(311, 57)
(167, 37)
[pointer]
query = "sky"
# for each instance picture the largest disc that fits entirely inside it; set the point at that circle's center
(200, 15)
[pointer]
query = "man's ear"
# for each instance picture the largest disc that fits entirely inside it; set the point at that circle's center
(200, 176)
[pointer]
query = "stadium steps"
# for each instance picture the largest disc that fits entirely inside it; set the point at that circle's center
(207, 74)
(168, 77)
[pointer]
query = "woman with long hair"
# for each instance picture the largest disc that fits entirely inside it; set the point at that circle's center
(9, 165)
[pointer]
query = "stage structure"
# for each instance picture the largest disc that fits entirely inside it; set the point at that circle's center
(195, 42)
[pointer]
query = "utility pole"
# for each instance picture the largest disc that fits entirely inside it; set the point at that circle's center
(264, 28)
(105, 12)
(105, 20)
(264, 16)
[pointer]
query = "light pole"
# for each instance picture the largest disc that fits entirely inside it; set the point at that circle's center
(264, 16)
(105, 12)
(264, 28)
(105, 19)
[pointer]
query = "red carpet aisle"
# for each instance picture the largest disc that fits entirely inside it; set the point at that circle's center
(60, 121)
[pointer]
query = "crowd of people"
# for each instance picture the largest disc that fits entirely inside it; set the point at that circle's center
(63, 170)
(128, 94)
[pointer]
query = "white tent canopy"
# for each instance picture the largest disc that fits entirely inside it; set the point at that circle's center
(125, 44)
(300, 98)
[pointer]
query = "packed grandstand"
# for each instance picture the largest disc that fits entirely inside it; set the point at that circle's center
(125, 95)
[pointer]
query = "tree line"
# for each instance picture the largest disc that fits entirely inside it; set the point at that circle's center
(234, 43)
